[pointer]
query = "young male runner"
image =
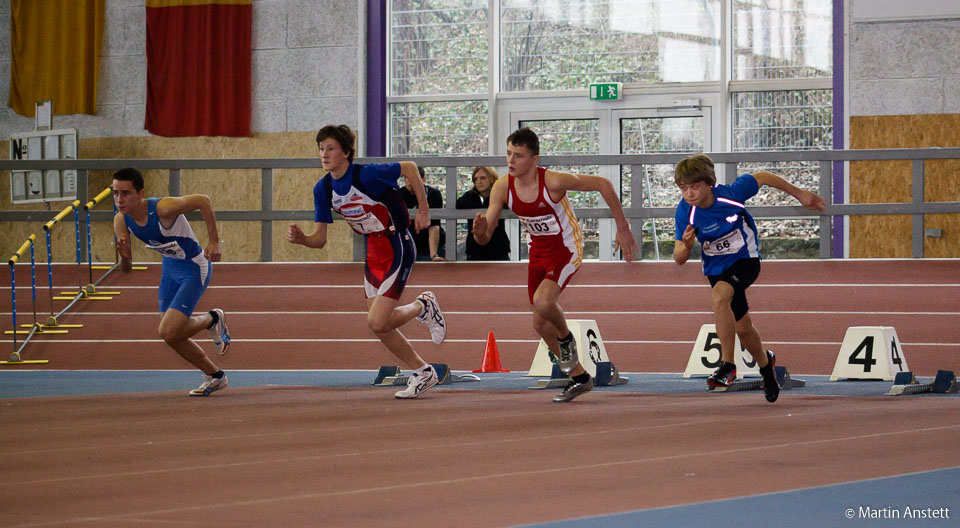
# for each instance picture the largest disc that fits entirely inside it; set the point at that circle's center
(368, 198)
(715, 216)
(538, 196)
(186, 267)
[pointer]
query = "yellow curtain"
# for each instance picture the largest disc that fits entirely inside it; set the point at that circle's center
(55, 54)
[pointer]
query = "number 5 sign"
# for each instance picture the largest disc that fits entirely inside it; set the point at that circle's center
(705, 357)
(871, 353)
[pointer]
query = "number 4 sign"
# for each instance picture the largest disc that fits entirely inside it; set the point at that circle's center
(869, 353)
(705, 357)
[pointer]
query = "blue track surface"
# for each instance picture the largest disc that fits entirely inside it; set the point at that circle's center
(904, 500)
(32, 383)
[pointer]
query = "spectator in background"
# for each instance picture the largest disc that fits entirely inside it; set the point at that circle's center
(479, 198)
(430, 242)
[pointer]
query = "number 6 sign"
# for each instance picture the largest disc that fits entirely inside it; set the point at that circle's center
(705, 357)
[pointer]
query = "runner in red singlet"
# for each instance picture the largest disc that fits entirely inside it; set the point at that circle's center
(539, 197)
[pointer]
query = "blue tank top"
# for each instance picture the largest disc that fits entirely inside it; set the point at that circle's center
(177, 243)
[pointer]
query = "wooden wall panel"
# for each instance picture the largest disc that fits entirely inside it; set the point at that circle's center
(890, 182)
(230, 190)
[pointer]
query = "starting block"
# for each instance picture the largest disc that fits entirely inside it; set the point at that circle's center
(608, 375)
(783, 379)
(905, 383)
(558, 380)
(390, 376)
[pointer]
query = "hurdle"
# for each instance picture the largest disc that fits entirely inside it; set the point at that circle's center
(15, 356)
(83, 292)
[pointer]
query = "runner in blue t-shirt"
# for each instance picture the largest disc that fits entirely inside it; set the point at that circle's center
(369, 200)
(715, 216)
(186, 267)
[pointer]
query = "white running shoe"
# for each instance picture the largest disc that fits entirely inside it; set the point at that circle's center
(210, 384)
(418, 383)
(432, 317)
(221, 336)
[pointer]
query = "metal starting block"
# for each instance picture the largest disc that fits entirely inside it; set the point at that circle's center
(608, 375)
(389, 376)
(783, 379)
(558, 380)
(906, 383)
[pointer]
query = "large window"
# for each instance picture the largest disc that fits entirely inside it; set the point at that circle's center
(458, 69)
(567, 44)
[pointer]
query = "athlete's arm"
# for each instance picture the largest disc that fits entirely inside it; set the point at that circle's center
(169, 208)
(484, 224)
(806, 198)
(123, 243)
(409, 170)
(315, 240)
(682, 248)
(558, 183)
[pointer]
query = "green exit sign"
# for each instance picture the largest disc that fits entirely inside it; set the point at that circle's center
(605, 91)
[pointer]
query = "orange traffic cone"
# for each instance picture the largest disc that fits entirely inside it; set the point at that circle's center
(491, 357)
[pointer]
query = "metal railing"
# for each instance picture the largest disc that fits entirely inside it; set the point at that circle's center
(828, 160)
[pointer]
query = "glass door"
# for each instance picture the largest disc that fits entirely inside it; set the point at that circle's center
(615, 131)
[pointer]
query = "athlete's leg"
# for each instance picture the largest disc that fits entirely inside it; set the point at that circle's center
(720, 296)
(176, 329)
(750, 339)
(384, 317)
(549, 321)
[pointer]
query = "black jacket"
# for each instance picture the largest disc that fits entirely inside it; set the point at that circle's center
(498, 248)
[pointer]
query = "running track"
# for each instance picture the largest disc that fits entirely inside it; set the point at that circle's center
(319, 455)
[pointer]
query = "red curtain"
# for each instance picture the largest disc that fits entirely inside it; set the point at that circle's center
(198, 67)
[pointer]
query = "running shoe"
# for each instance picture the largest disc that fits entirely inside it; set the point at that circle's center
(573, 390)
(771, 387)
(418, 383)
(221, 336)
(432, 317)
(210, 384)
(723, 376)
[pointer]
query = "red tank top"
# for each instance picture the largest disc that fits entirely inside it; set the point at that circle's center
(550, 225)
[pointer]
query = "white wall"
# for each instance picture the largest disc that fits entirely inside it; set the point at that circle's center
(306, 69)
(904, 57)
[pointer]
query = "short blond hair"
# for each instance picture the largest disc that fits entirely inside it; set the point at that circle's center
(693, 169)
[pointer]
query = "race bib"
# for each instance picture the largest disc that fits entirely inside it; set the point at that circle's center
(366, 224)
(728, 244)
(170, 249)
(540, 225)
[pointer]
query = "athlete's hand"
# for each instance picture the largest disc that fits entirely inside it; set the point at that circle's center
(689, 236)
(422, 220)
(480, 227)
(812, 201)
(295, 234)
(625, 242)
(123, 248)
(212, 252)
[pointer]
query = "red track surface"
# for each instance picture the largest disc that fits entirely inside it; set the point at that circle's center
(307, 456)
(648, 314)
